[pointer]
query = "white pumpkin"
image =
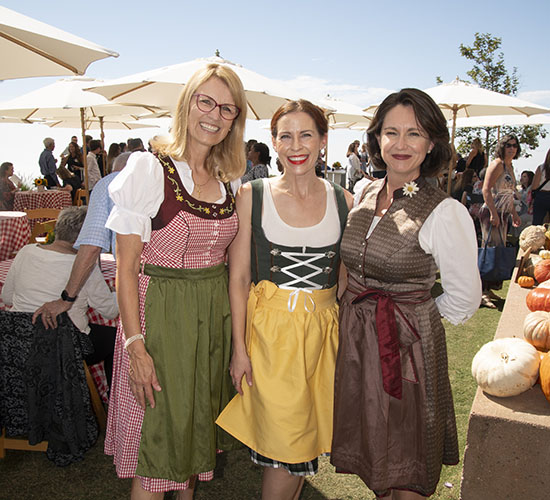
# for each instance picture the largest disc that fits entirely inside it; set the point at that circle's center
(532, 238)
(506, 367)
(536, 329)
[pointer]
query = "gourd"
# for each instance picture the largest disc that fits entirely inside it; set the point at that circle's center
(532, 238)
(526, 281)
(544, 375)
(530, 264)
(538, 299)
(536, 329)
(506, 367)
(542, 270)
(544, 254)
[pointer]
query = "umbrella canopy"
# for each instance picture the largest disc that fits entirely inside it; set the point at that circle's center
(66, 100)
(118, 123)
(63, 99)
(342, 114)
(32, 48)
(501, 120)
(161, 87)
(460, 99)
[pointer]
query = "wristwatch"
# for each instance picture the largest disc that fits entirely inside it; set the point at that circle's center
(65, 296)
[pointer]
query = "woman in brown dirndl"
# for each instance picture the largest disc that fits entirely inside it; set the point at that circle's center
(394, 422)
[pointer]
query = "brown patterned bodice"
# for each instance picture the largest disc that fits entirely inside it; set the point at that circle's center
(392, 258)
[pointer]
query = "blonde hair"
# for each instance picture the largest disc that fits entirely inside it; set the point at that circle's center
(226, 160)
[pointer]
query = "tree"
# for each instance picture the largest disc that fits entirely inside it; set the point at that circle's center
(489, 72)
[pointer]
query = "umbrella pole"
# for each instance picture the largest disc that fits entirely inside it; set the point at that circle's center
(84, 154)
(453, 157)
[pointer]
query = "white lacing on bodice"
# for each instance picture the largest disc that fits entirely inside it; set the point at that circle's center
(296, 281)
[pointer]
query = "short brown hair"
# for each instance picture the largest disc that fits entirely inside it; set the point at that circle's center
(429, 117)
(303, 106)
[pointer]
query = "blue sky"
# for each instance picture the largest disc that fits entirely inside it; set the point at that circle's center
(354, 50)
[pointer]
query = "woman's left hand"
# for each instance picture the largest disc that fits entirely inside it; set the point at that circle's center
(239, 368)
(516, 221)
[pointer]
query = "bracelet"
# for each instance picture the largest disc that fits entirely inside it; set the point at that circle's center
(139, 336)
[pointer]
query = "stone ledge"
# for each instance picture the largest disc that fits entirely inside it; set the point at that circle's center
(508, 443)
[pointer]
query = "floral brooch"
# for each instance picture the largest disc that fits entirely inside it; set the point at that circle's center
(410, 189)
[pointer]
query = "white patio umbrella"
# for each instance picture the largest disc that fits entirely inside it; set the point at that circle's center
(116, 123)
(161, 87)
(31, 48)
(501, 120)
(460, 99)
(342, 114)
(65, 99)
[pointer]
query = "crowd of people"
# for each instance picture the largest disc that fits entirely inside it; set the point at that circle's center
(69, 174)
(281, 313)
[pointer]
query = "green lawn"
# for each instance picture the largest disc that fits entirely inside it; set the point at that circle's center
(30, 476)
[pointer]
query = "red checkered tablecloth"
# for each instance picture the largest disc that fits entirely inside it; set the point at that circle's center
(15, 232)
(42, 199)
(108, 267)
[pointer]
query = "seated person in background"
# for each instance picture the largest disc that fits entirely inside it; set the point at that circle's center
(464, 186)
(7, 187)
(26, 287)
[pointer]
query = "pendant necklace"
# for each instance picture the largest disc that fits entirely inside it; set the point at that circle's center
(199, 186)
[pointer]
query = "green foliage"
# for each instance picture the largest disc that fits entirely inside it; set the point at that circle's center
(489, 72)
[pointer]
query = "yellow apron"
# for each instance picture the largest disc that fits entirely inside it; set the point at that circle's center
(292, 339)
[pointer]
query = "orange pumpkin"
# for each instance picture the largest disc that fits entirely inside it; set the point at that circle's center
(538, 299)
(544, 376)
(542, 270)
(536, 329)
(526, 281)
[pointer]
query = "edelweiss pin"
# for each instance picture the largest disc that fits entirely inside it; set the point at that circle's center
(410, 189)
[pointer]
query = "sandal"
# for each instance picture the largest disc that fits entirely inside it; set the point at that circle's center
(486, 302)
(492, 295)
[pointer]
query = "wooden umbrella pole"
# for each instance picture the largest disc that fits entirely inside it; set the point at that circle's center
(452, 163)
(84, 153)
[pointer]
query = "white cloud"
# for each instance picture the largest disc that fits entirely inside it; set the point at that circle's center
(541, 97)
(319, 88)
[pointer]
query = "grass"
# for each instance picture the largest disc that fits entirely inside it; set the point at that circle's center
(30, 476)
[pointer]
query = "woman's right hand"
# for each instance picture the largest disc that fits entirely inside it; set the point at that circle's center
(142, 375)
(240, 367)
(495, 220)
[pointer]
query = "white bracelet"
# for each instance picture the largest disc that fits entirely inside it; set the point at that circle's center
(139, 336)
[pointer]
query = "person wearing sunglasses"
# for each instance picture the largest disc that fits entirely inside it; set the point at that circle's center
(175, 216)
(499, 190)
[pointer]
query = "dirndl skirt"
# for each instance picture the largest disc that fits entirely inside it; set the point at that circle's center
(292, 339)
(188, 326)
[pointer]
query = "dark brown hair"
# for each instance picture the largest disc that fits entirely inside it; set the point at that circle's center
(501, 146)
(546, 165)
(429, 118)
(303, 106)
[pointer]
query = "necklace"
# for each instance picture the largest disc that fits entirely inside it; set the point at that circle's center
(199, 186)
